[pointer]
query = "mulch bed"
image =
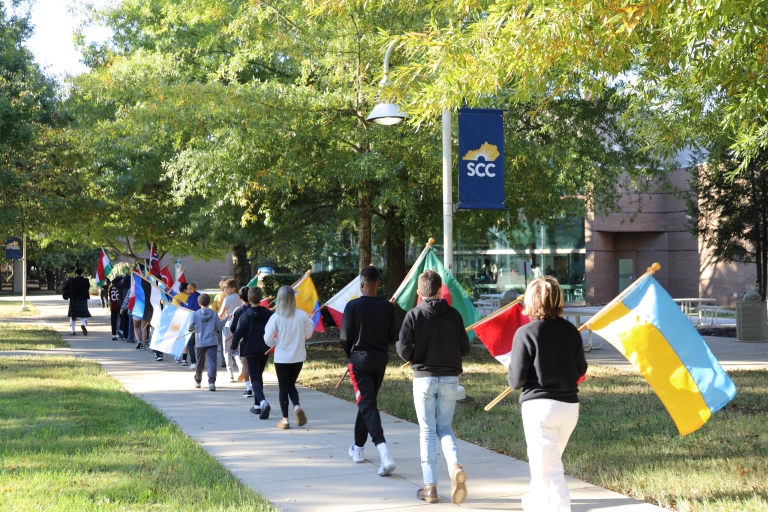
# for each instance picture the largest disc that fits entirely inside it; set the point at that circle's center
(724, 331)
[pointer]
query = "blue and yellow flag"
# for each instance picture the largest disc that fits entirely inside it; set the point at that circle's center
(308, 301)
(649, 329)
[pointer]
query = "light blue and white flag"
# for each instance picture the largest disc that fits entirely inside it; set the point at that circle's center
(173, 333)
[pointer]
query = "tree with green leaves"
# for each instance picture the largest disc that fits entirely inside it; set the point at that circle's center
(691, 69)
(729, 209)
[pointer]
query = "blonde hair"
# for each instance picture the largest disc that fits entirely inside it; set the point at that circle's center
(286, 302)
(543, 299)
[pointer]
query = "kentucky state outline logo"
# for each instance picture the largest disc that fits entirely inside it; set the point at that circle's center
(482, 169)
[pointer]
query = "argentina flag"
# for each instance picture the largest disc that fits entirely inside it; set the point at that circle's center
(173, 333)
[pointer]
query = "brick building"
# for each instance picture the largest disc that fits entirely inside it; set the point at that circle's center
(619, 248)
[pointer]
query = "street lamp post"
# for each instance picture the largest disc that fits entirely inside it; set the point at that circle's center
(389, 114)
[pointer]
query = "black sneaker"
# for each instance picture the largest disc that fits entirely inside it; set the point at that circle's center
(248, 394)
(158, 358)
(256, 410)
(223, 364)
(138, 346)
(265, 412)
(85, 331)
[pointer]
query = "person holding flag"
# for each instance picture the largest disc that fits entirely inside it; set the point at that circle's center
(434, 340)
(547, 362)
(367, 330)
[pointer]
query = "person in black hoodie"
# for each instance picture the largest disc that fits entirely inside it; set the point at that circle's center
(547, 362)
(434, 340)
(250, 332)
(367, 330)
(78, 292)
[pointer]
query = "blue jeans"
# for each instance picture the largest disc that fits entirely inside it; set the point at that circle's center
(435, 401)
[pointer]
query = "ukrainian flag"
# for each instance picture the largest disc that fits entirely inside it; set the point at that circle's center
(308, 301)
(649, 329)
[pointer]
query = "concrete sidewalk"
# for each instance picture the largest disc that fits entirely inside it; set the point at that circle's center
(308, 469)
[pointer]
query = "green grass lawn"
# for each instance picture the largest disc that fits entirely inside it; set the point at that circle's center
(625, 440)
(29, 337)
(71, 439)
(10, 309)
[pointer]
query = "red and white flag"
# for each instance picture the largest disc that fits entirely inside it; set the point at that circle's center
(165, 275)
(175, 288)
(496, 332)
(338, 302)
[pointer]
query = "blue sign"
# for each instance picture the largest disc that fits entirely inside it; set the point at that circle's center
(13, 248)
(481, 159)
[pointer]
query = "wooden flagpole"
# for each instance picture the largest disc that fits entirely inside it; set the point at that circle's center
(651, 270)
(307, 273)
(153, 284)
(430, 242)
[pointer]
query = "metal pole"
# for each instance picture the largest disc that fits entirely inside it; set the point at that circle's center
(24, 271)
(447, 195)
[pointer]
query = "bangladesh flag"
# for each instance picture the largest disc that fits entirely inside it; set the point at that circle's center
(103, 268)
(406, 296)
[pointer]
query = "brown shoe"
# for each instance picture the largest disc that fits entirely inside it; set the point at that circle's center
(301, 418)
(284, 426)
(428, 493)
(458, 484)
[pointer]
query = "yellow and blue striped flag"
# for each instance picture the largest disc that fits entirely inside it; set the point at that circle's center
(649, 329)
(308, 301)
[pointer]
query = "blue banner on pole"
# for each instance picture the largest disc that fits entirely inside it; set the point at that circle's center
(481, 159)
(13, 248)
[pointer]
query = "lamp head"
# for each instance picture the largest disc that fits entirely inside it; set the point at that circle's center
(387, 114)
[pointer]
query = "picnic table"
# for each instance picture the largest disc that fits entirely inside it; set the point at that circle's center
(687, 305)
(578, 314)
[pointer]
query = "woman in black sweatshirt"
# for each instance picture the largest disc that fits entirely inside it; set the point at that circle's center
(547, 363)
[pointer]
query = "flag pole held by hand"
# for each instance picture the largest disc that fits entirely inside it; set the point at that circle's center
(341, 379)
(651, 270)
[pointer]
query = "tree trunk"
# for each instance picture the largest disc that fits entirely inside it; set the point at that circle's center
(240, 264)
(364, 228)
(395, 257)
(49, 279)
(395, 250)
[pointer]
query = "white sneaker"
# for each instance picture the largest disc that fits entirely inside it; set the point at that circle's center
(192, 366)
(387, 463)
(177, 359)
(356, 453)
(387, 466)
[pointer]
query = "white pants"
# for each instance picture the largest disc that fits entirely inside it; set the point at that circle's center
(548, 425)
(231, 357)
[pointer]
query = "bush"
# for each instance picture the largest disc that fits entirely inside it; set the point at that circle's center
(120, 268)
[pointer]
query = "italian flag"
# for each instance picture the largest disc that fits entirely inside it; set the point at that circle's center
(407, 298)
(103, 268)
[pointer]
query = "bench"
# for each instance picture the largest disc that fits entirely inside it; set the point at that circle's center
(713, 311)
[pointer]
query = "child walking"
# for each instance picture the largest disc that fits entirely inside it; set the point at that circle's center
(205, 323)
(434, 340)
(547, 362)
(292, 326)
(249, 338)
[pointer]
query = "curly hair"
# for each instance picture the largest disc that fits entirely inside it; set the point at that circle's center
(544, 299)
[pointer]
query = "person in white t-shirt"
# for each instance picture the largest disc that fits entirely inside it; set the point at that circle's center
(292, 326)
(231, 302)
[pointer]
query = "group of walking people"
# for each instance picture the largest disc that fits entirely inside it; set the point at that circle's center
(547, 362)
